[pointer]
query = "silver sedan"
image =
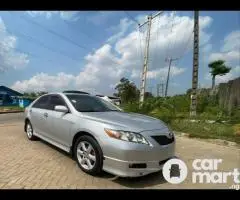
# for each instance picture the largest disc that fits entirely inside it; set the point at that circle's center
(99, 135)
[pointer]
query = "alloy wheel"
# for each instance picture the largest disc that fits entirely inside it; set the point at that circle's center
(86, 155)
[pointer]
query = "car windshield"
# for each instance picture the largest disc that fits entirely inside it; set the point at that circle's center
(87, 103)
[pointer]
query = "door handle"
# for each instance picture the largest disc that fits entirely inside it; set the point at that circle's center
(45, 115)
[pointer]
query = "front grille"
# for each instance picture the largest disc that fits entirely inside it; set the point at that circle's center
(163, 140)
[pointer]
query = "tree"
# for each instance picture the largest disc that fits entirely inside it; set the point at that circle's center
(148, 95)
(41, 93)
(127, 91)
(218, 67)
(33, 94)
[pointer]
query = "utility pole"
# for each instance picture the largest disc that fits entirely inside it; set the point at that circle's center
(193, 107)
(158, 86)
(146, 55)
(162, 84)
(170, 62)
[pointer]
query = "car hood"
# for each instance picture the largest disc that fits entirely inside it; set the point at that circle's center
(127, 121)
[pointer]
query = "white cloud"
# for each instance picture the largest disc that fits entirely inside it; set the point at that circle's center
(232, 41)
(101, 72)
(159, 73)
(100, 17)
(230, 51)
(121, 29)
(230, 56)
(66, 15)
(207, 48)
(44, 82)
(9, 57)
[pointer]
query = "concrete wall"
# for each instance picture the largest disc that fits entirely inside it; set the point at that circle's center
(229, 94)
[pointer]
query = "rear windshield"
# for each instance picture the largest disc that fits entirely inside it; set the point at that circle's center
(87, 103)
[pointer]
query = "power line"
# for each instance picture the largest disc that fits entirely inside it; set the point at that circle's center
(174, 39)
(63, 37)
(34, 40)
(132, 18)
(167, 51)
(31, 54)
(139, 34)
(89, 36)
(55, 33)
(187, 43)
(94, 39)
(156, 44)
(145, 66)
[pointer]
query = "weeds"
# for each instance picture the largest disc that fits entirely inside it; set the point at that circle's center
(175, 112)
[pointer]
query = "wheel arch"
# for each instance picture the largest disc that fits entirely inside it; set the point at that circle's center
(79, 134)
(25, 123)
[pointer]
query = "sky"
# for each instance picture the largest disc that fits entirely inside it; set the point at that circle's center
(92, 50)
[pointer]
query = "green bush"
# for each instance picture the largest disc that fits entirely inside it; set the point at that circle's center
(177, 107)
(235, 116)
(163, 114)
(175, 112)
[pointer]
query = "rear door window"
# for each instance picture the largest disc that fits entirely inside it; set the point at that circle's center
(42, 103)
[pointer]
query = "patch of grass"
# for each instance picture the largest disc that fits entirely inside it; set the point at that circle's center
(6, 108)
(205, 130)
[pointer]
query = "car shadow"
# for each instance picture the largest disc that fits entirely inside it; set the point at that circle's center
(54, 147)
(149, 180)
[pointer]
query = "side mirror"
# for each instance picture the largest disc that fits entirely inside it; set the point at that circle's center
(63, 109)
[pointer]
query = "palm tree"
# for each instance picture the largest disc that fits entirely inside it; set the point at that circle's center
(218, 67)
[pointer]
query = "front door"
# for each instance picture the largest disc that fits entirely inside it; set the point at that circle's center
(61, 122)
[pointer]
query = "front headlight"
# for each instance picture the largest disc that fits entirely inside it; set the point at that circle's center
(126, 136)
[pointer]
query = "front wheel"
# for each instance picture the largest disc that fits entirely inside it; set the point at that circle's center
(88, 155)
(29, 131)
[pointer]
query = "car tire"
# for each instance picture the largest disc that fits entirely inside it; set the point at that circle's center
(29, 131)
(90, 157)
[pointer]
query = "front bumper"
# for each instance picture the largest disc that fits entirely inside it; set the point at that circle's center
(136, 159)
(122, 168)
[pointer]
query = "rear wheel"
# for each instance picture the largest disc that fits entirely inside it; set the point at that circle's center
(88, 155)
(29, 131)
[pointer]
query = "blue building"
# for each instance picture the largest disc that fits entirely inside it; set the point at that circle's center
(8, 96)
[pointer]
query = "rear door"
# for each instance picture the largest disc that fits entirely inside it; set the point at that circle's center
(39, 115)
(61, 122)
